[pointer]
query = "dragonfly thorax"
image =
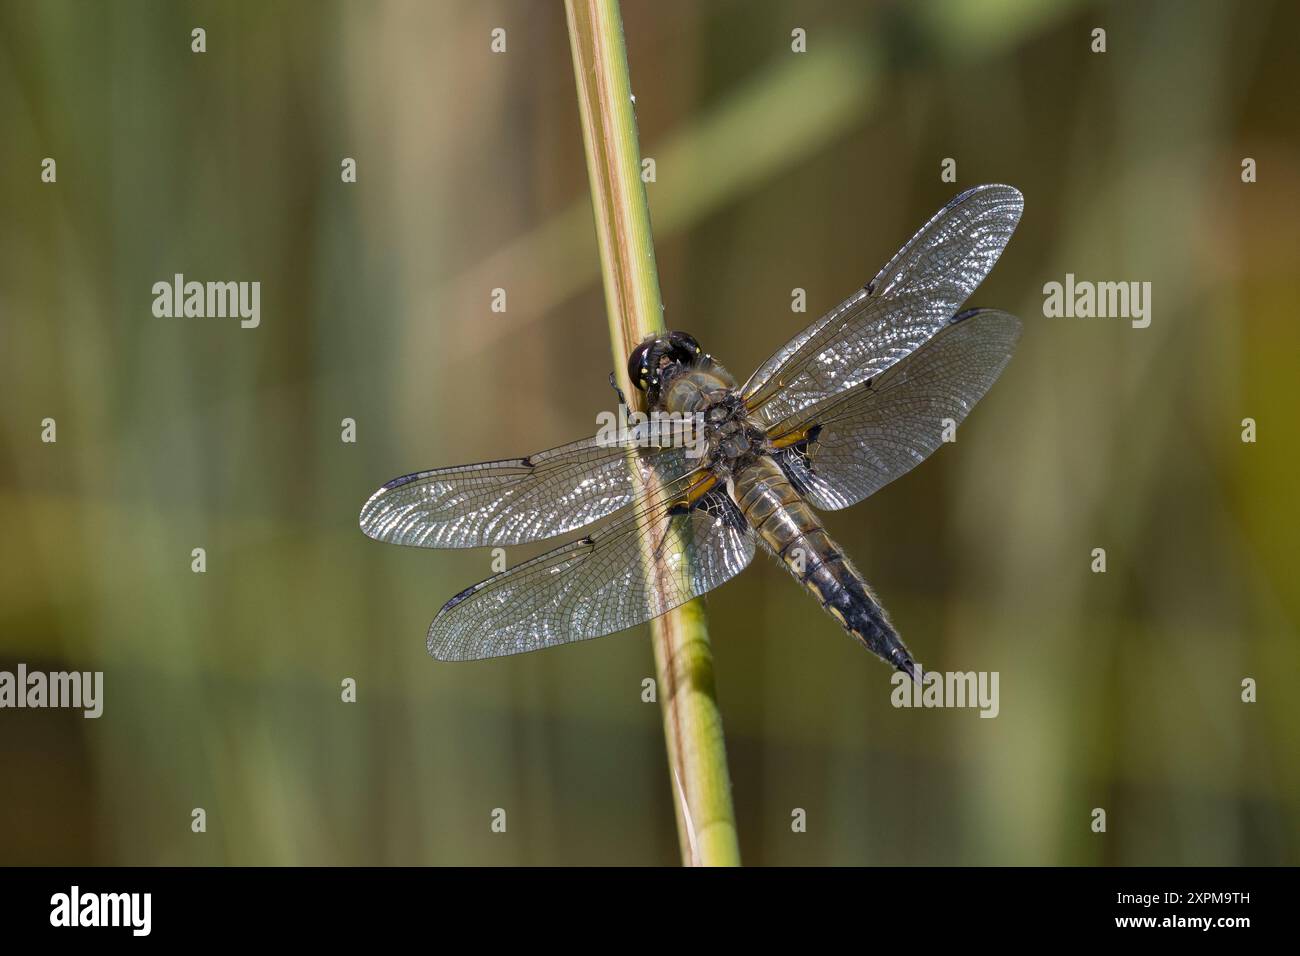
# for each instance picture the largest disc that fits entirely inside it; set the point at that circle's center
(730, 436)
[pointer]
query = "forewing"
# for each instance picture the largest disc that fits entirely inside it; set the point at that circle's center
(870, 435)
(644, 562)
(910, 300)
(499, 503)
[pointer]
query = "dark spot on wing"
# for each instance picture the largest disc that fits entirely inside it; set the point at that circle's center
(961, 197)
(404, 480)
(458, 598)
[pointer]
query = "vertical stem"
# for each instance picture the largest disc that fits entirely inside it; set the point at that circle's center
(697, 757)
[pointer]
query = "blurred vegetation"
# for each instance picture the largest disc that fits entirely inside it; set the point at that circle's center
(774, 171)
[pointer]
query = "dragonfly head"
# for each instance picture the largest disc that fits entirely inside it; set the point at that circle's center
(658, 359)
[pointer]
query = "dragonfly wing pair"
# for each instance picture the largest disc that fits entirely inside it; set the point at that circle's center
(653, 555)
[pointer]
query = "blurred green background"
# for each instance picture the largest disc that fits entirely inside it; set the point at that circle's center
(774, 171)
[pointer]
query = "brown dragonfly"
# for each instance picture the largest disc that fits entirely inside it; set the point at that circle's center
(852, 402)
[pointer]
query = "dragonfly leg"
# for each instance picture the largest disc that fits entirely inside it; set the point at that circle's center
(613, 383)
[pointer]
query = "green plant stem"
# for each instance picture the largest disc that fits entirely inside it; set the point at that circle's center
(697, 757)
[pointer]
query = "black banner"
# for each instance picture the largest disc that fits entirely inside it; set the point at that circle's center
(334, 904)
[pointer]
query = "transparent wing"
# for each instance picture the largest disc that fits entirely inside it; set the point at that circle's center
(498, 503)
(911, 299)
(644, 562)
(860, 440)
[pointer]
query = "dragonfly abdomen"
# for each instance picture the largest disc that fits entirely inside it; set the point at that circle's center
(790, 530)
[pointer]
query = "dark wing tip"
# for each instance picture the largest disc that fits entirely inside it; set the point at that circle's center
(457, 598)
(436, 642)
(373, 509)
(1012, 193)
(398, 482)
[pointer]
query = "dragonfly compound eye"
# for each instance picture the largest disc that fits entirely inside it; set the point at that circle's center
(682, 347)
(684, 340)
(638, 364)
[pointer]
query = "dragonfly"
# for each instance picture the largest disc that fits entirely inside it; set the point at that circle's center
(855, 400)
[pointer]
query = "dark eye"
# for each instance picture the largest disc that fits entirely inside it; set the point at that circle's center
(684, 343)
(637, 369)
